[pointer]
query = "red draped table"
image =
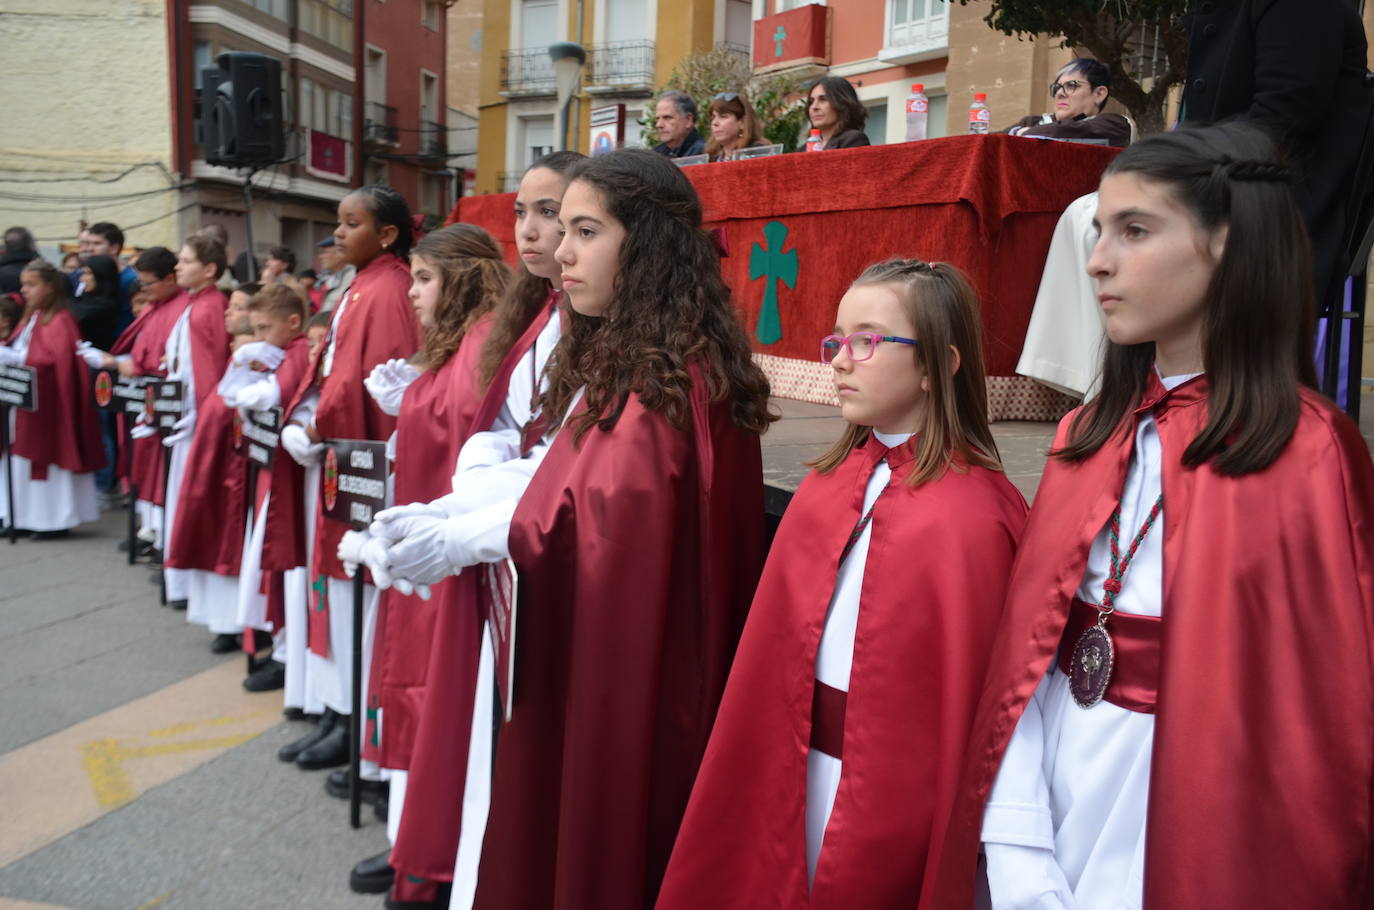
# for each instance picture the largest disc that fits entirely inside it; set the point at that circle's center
(799, 228)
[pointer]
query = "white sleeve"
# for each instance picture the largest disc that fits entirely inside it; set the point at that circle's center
(1018, 828)
(304, 413)
(480, 484)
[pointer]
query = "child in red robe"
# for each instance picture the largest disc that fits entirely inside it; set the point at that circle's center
(373, 323)
(55, 449)
(862, 661)
(1179, 708)
(638, 542)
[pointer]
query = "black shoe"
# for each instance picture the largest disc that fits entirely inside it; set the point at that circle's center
(51, 535)
(379, 808)
(223, 643)
(322, 729)
(181, 605)
(5, 532)
(293, 714)
(154, 555)
(372, 875)
(440, 902)
(336, 784)
(267, 678)
(330, 752)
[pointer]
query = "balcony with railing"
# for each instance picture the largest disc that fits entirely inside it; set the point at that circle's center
(379, 125)
(526, 72)
(621, 68)
(433, 139)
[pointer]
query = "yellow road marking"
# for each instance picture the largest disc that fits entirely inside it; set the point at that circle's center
(65, 781)
(160, 899)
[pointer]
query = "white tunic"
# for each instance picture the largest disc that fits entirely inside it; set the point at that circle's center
(1065, 823)
(835, 658)
(64, 500)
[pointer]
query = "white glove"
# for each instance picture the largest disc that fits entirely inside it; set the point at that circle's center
(297, 444)
(390, 525)
(94, 357)
(259, 396)
(269, 355)
(10, 357)
(183, 429)
(142, 430)
(422, 556)
(356, 548)
(387, 384)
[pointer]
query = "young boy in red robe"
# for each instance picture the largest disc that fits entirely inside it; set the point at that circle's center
(1179, 706)
(866, 646)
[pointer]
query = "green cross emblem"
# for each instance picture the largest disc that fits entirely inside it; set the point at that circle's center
(376, 727)
(321, 594)
(778, 38)
(770, 263)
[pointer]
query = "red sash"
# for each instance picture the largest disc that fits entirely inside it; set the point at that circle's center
(1134, 683)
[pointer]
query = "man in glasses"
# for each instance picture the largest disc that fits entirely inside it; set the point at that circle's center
(1077, 96)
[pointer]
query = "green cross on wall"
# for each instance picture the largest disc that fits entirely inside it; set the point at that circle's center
(770, 263)
(778, 38)
(320, 593)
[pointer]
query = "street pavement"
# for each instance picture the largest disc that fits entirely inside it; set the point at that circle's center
(136, 773)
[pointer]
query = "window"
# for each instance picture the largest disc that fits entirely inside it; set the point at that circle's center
(326, 110)
(270, 7)
(328, 20)
(536, 141)
(916, 25)
(430, 13)
(784, 5)
(538, 23)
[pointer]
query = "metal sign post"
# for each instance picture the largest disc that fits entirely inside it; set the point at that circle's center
(18, 389)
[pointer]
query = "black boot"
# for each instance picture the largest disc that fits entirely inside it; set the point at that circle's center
(336, 784)
(372, 875)
(269, 677)
(322, 729)
(223, 643)
(330, 752)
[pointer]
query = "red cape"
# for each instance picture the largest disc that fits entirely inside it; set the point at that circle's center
(65, 430)
(933, 589)
(283, 541)
(1260, 783)
(377, 325)
(435, 420)
(209, 341)
(431, 825)
(638, 554)
(212, 508)
(145, 341)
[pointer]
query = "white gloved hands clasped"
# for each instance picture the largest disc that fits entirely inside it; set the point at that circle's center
(297, 444)
(387, 384)
(259, 396)
(183, 429)
(360, 548)
(422, 555)
(268, 355)
(93, 356)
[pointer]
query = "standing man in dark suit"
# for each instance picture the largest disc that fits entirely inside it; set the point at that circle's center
(1297, 66)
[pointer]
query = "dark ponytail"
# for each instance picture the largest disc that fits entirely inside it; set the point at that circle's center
(389, 207)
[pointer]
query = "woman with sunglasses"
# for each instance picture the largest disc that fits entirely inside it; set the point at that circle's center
(734, 126)
(1078, 95)
(840, 739)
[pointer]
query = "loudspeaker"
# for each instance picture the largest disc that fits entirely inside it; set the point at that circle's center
(241, 110)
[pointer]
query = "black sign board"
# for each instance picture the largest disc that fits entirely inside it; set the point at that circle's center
(164, 406)
(353, 482)
(19, 387)
(256, 435)
(117, 393)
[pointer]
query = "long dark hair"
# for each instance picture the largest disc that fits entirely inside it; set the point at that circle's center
(1257, 325)
(389, 207)
(471, 275)
(954, 432)
(853, 115)
(525, 293)
(105, 271)
(669, 308)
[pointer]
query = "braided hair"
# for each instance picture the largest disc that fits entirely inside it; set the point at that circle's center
(389, 207)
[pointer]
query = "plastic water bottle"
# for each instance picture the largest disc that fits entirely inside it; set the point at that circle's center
(917, 110)
(979, 117)
(813, 141)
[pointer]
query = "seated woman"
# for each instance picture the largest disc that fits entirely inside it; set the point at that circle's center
(835, 109)
(1078, 94)
(734, 126)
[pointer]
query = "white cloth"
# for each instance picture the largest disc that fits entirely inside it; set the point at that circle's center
(178, 360)
(250, 607)
(327, 361)
(395, 801)
(212, 601)
(1067, 330)
(301, 691)
(477, 786)
(835, 658)
(1065, 822)
(331, 678)
(59, 503)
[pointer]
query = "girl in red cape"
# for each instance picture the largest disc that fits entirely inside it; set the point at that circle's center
(56, 448)
(637, 544)
(457, 276)
(373, 323)
(1179, 708)
(840, 740)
